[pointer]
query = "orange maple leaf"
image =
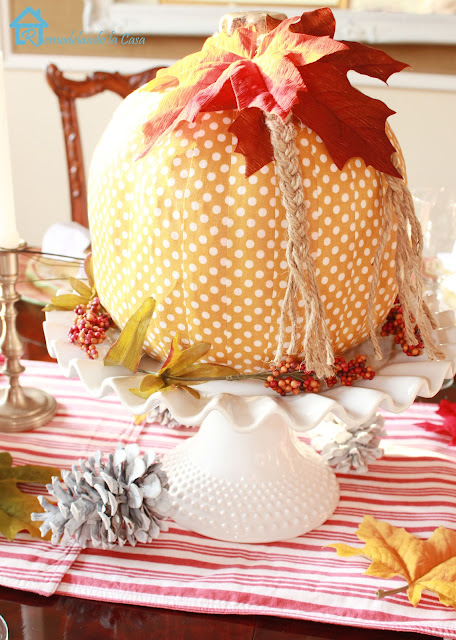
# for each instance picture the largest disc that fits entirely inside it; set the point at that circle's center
(296, 68)
(425, 564)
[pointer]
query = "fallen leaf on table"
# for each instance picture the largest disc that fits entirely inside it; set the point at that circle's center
(16, 506)
(424, 564)
(448, 411)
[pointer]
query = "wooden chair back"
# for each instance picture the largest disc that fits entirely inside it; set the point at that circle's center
(68, 91)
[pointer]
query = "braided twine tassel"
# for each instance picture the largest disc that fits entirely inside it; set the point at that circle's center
(317, 350)
(316, 347)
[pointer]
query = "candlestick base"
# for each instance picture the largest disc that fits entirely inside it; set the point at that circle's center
(35, 410)
(20, 409)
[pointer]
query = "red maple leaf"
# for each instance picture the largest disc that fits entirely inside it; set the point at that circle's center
(250, 127)
(297, 67)
(448, 411)
(350, 123)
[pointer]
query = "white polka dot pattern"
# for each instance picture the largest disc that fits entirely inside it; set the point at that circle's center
(185, 225)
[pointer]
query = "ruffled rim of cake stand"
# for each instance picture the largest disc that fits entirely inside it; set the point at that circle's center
(398, 381)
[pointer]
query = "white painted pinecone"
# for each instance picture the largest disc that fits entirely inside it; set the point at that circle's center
(108, 503)
(349, 449)
(163, 416)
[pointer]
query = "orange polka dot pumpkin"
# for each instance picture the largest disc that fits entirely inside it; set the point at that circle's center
(186, 219)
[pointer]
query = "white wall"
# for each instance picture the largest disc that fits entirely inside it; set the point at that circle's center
(424, 124)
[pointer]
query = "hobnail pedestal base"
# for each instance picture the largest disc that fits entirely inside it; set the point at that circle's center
(256, 486)
(244, 476)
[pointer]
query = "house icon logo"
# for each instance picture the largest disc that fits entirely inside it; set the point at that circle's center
(28, 27)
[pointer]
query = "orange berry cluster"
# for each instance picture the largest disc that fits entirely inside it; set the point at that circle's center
(89, 327)
(394, 326)
(291, 375)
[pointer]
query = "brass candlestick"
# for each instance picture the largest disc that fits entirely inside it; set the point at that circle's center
(21, 408)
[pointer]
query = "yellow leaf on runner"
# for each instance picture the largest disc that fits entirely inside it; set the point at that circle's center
(16, 506)
(424, 564)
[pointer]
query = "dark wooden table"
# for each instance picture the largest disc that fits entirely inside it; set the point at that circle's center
(33, 617)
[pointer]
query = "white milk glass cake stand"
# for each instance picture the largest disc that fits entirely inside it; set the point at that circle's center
(245, 476)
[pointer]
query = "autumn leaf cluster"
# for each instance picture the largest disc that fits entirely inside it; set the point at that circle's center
(297, 68)
(181, 369)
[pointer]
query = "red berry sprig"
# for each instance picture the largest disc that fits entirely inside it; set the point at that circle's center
(350, 372)
(89, 327)
(395, 326)
(291, 375)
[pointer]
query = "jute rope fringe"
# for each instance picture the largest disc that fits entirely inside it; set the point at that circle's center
(317, 350)
(388, 220)
(316, 346)
(408, 265)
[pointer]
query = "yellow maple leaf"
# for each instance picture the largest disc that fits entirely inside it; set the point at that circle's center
(425, 564)
(16, 506)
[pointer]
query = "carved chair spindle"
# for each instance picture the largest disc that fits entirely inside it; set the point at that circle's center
(68, 91)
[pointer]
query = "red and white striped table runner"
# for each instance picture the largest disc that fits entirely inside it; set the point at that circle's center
(413, 486)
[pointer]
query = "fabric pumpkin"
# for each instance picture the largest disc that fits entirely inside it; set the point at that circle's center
(186, 223)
